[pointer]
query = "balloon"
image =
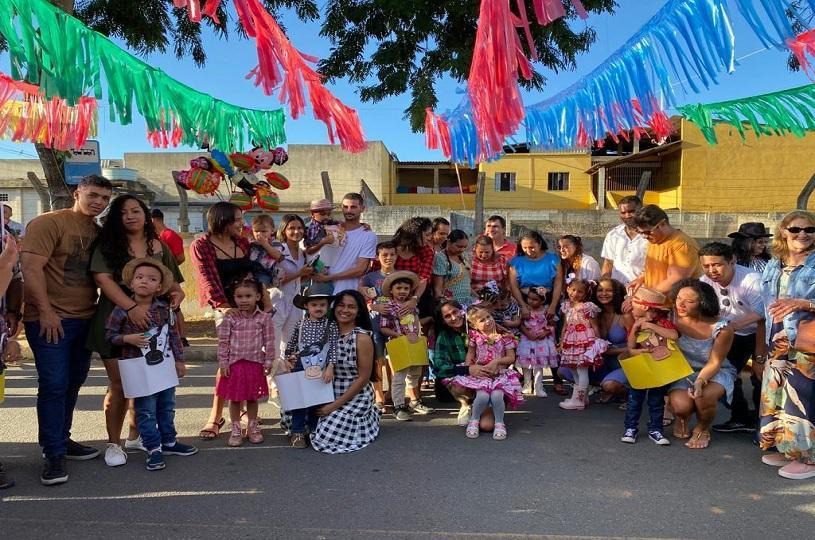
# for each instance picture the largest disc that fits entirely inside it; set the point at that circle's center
(241, 200)
(277, 180)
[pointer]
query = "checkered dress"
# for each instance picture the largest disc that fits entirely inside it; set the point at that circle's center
(355, 425)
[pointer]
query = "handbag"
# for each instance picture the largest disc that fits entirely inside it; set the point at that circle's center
(805, 339)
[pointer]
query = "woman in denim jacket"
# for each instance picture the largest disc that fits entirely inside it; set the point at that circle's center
(788, 385)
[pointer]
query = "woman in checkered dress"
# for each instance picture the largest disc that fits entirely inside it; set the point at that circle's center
(350, 422)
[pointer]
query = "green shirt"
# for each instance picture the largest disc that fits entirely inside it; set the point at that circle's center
(449, 354)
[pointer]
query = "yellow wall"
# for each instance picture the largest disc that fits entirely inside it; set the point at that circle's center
(531, 175)
(444, 200)
(763, 174)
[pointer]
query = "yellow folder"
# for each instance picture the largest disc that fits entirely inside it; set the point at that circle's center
(2, 386)
(643, 372)
(404, 354)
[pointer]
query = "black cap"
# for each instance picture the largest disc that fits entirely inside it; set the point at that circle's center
(156, 213)
(751, 230)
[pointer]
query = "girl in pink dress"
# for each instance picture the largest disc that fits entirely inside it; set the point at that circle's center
(495, 352)
(580, 348)
(537, 347)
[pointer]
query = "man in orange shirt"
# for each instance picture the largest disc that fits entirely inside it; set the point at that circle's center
(671, 256)
(496, 228)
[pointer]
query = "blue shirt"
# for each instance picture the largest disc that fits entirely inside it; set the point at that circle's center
(801, 285)
(538, 273)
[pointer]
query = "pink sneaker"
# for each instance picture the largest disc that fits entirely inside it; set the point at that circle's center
(774, 459)
(795, 470)
(253, 432)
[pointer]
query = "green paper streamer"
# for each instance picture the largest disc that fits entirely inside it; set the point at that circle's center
(65, 58)
(778, 113)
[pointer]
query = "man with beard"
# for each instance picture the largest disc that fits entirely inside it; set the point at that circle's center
(624, 248)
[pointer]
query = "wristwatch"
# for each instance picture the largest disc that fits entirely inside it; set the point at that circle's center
(760, 359)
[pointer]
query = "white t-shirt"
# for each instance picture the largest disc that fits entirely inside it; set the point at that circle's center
(741, 297)
(589, 268)
(359, 243)
(628, 254)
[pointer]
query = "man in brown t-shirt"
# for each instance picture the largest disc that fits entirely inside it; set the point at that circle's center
(60, 299)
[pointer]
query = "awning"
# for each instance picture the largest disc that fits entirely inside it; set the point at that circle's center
(657, 151)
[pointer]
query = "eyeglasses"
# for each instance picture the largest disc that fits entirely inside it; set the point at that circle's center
(796, 230)
(649, 232)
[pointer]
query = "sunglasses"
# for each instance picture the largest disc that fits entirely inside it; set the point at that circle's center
(649, 232)
(796, 230)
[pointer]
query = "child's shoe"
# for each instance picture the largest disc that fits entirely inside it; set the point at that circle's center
(178, 449)
(574, 403)
(499, 433)
(538, 383)
(402, 414)
(155, 460)
(298, 440)
(473, 430)
(135, 444)
(253, 432)
(115, 456)
(236, 437)
(658, 438)
(417, 407)
(630, 436)
(527, 388)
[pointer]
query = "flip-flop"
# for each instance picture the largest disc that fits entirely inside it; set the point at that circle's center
(699, 440)
(207, 434)
(667, 420)
(681, 429)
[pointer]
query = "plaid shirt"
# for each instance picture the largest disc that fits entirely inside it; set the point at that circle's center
(314, 332)
(449, 354)
(118, 326)
(482, 272)
(246, 337)
(420, 264)
(407, 324)
(202, 253)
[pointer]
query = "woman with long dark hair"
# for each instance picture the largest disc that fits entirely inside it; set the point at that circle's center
(350, 422)
(576, 264)
(750, 244)
(127, 233)
(451, 270)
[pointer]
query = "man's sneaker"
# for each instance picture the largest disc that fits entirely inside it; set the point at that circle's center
(658, 438)
(155, 460)
(630, 436)
(402, 414)
(420, 408)
(463, 415)
(114, 455)
(135, 444)
(733, 426)
(178, 449)
(79, 452)
(53, 472)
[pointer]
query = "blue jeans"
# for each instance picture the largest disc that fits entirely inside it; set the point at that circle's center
(301, 417)
(155, 417)
(62, 368)
(656, 407)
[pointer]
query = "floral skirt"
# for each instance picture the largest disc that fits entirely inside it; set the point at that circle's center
(246, 382)
(788, 407)
(536, 353)
(585, 355)
(508, 382)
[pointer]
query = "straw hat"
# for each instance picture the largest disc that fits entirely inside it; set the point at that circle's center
(650, 298)
(751, 230)
(401, 274)
(320, 204)
(167, 278)
(313, 292)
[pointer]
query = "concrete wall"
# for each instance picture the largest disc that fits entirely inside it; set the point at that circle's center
(757, 174)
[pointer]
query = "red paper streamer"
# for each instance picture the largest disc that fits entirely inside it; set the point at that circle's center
(437, 133)
(35, 119)
(282, 66)
(801, 46)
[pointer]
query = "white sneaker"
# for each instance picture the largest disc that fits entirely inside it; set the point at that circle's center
(463, 415)
(527, 388)
(115, 456)
(135, 444)
(417, 407)
(540, 392)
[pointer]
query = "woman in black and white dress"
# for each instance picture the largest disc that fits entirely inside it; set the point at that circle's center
(350, 422)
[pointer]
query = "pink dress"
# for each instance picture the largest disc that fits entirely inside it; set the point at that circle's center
(539, 352)
(580, 346)
(507, 380)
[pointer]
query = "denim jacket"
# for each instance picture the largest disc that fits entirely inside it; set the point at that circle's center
(801, 285)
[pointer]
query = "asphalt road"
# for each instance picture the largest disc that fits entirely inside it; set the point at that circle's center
(559, 474)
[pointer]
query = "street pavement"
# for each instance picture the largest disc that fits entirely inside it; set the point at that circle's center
(559, 474)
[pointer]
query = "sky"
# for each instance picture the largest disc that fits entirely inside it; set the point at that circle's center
(759, 71)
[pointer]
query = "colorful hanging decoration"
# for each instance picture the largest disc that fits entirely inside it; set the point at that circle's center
(282, 67)
(778, 113)
(68, 60)
(26, 116)
(803, 46)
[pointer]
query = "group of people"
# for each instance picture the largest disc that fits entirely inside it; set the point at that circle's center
(496, 317)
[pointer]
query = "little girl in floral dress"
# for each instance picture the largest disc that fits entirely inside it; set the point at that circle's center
(580, 348)
(536, 350)
(496, 352)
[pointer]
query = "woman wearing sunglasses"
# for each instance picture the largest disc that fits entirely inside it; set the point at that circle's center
(788, 386)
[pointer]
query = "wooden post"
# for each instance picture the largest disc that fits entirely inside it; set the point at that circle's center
(643, 185)
(183, 222)
(601, 188)
(806, 193)
(478, 218)
(327, 191)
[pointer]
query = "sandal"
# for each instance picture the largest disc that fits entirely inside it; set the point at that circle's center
(499, 433)
(253, 432)
(681, 429)
(208, 434)
(473, 430)
(699, 440)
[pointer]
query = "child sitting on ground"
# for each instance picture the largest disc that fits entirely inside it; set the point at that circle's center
(655, 334)
(155, 413)
(400, 287)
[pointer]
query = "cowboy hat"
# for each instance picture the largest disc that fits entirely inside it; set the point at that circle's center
(320, 204)
(401, 274)
(313, 292)
(650, 298)
(167, 278)
(751, 230)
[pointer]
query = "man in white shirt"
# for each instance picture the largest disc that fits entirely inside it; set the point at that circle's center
(359, 250)
(624, 248)
(739, 291)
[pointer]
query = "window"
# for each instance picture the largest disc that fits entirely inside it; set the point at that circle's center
(505, 181)
(558, 181)
(3, 197)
